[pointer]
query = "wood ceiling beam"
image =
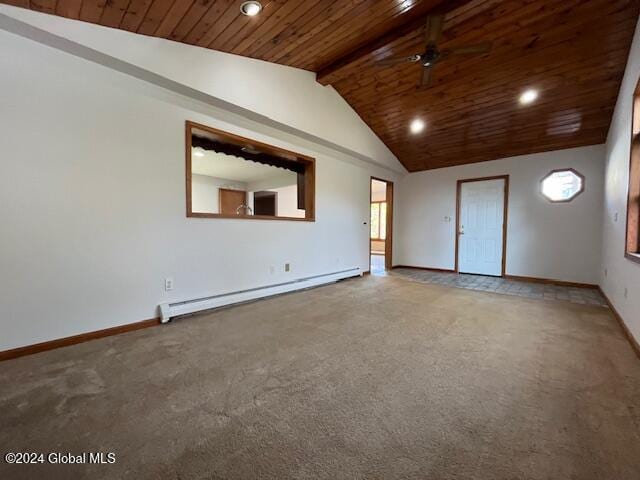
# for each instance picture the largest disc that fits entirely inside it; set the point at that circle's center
(397, 28)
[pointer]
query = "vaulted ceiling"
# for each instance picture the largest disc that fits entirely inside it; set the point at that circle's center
(573, 52)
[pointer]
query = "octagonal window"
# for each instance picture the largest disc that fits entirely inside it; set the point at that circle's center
(562, 185)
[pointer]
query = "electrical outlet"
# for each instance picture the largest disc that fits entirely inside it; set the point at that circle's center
(626, 292)
(272, 269)
(287, 267)
(168, 284)
(606, 272)
(615, 217)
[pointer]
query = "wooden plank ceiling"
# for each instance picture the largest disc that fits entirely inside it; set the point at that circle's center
(572, 51)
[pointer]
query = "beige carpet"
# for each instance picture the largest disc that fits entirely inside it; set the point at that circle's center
(376, 378)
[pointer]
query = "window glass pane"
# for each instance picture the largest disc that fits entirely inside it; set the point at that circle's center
(561, 186)
(383, 220)
(375, 219)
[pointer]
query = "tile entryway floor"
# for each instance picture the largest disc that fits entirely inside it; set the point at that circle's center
(588, 296)
(377, 265)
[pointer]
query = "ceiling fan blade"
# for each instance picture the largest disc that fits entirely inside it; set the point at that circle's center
(425, 81)
(433, 29)
(471, 49)
(386, 62)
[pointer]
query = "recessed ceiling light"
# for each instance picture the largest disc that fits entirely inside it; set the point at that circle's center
(251, 9)
(416, 126)
(528, 97)
(198, 152)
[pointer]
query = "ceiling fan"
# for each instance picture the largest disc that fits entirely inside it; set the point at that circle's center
(432, 55)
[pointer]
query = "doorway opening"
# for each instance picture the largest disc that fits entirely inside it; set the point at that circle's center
(481, 221)
(381, 226)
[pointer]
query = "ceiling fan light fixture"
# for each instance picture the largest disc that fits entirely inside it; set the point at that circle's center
(251, 9)
(416, 126)
(529, 96)
(432, 55)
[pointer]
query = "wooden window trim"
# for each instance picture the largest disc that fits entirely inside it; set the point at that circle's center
(632, 232)
(378, 239)
(309, 174)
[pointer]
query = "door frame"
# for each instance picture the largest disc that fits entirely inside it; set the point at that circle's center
(388, 241)
(504, 220)
(261, 194)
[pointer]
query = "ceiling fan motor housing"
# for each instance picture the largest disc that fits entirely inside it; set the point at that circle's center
(429, 57)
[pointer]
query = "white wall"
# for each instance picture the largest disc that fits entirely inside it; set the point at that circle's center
(622, 274)
(285, 94)
(92, 198)
(285, 178)
(558, 241)
(92, 202)
(204, 192)
(288, 201)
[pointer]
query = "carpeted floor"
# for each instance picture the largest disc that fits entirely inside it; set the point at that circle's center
(376, 378)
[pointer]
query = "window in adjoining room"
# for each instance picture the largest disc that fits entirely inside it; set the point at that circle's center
(378, 220)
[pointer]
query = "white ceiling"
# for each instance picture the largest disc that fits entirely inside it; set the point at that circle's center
(228, 167)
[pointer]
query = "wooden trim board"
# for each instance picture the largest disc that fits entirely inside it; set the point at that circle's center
(388, 241)
(632, 228)
(551, 281)
(627, 333)
(75, 339)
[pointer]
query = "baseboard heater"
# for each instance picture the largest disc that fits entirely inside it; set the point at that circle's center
(170, 310)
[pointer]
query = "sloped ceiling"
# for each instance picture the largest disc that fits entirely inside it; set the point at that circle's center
(573, 52)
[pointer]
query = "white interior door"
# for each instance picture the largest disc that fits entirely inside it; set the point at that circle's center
(480, 245)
